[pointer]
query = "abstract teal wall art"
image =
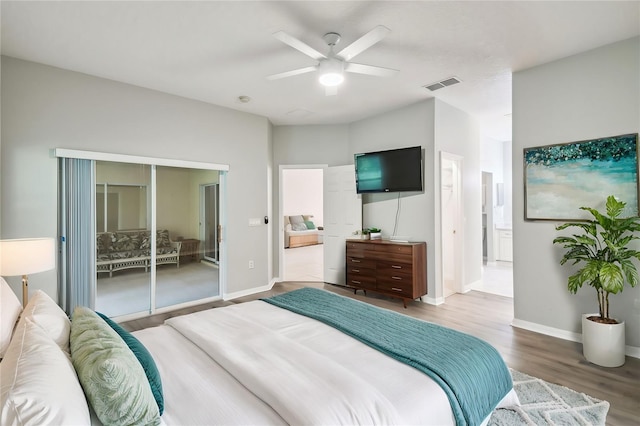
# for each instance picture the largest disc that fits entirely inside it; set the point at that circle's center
(561, 178)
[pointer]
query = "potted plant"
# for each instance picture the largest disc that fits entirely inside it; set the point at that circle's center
(375, 233)
(366, 234)
(603, 250)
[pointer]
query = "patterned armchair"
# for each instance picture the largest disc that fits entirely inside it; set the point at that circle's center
(132, 249)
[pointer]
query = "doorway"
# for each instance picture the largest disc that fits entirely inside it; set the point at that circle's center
(451, 213)
(301, 194)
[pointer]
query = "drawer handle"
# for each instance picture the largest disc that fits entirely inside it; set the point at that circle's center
(355, 261)
(396, 289)
(356, 282)
(396, 267)
(355, 270)
(396, 278)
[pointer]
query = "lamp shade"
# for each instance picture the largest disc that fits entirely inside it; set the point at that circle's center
(27, 256)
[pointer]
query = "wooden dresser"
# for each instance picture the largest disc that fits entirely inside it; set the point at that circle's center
(390, 268)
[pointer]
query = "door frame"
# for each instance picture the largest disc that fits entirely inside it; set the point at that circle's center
(280, 219)
(458, 225)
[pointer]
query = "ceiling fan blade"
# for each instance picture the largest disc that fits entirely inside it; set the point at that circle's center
(370, 70)
(298, 45)
(364, 42)
(292, 73)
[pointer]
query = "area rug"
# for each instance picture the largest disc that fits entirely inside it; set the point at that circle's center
(544, 403)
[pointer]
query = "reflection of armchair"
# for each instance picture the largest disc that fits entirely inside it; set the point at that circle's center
(132, 249)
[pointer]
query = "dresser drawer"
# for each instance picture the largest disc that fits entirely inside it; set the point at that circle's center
(395, 248)
(395, 268)
(361, 262)
(400, 287)
(361, 281)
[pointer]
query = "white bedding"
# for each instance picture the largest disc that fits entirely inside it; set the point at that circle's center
(255, 363)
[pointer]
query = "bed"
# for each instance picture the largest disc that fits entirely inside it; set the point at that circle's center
(259, 362)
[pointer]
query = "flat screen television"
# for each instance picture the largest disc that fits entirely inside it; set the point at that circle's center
(394, 170)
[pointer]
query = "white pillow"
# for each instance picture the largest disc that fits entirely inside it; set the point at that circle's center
(39, 384)
(10, 308)
(42, 310)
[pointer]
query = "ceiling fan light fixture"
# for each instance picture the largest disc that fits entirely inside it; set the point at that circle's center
(331, 72)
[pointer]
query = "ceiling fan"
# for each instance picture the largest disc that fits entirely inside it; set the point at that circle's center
(332, 66)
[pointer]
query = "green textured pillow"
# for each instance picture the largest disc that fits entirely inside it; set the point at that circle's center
(111, 376)
(145, 359)
(310, 224)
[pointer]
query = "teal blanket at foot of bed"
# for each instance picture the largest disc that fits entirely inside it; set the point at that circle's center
(470, 371)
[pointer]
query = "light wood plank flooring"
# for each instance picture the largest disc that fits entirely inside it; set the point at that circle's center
(488, 317)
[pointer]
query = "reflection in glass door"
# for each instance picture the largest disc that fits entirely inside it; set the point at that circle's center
(210, 220)
(149, 244)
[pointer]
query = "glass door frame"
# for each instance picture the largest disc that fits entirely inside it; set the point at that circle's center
(154, 162)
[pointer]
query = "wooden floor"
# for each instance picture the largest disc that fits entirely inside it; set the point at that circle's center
(488, 317)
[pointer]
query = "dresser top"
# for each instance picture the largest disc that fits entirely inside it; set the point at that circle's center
(383, 242)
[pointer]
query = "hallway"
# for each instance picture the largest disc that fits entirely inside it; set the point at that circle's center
(497, 278)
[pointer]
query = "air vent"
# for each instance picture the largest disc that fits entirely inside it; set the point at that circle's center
(444, 83)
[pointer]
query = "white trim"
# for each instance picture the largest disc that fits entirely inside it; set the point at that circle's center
(632, 351)
(466, 288)
(433, 300)
(135, 159)
(249, 292)
(549, 331)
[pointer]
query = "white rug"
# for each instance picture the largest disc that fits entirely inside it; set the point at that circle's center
(544, 403)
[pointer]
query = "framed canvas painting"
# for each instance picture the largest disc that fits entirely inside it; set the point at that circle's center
(561, 178)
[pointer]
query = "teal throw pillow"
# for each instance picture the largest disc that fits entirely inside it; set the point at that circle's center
(310, 224)
(111, 376)
(145, 359)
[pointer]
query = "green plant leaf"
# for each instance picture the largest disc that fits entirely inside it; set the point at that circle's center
(575, 283)
(630, 272)
(611, 278)
(614, 207)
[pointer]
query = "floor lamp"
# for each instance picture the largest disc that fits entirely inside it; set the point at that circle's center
(26, 256)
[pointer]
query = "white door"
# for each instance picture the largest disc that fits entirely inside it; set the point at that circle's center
(451, 222)
(342, 216)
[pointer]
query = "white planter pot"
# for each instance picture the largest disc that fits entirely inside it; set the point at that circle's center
(603, 344)
(376, 235)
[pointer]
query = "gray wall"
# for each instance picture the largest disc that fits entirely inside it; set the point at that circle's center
(45, 108)
(458, 133)
(434, 126)
(303, 145)
(590, 95)
(408, 126)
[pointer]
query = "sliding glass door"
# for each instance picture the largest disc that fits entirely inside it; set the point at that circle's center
(149, 249)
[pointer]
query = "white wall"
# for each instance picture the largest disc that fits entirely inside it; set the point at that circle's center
(303, 193)
(45, 108)
(590, 95)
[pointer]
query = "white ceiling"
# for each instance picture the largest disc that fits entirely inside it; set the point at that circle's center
(216, 51)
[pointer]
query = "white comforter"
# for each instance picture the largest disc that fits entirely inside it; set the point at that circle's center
(255, 363)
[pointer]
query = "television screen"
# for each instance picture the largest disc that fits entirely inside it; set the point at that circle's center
(394, 170)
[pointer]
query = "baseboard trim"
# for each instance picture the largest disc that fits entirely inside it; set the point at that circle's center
(249, 292)
(631, 351)
(433, 300)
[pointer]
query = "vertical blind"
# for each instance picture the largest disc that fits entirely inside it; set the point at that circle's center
(77, 234)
